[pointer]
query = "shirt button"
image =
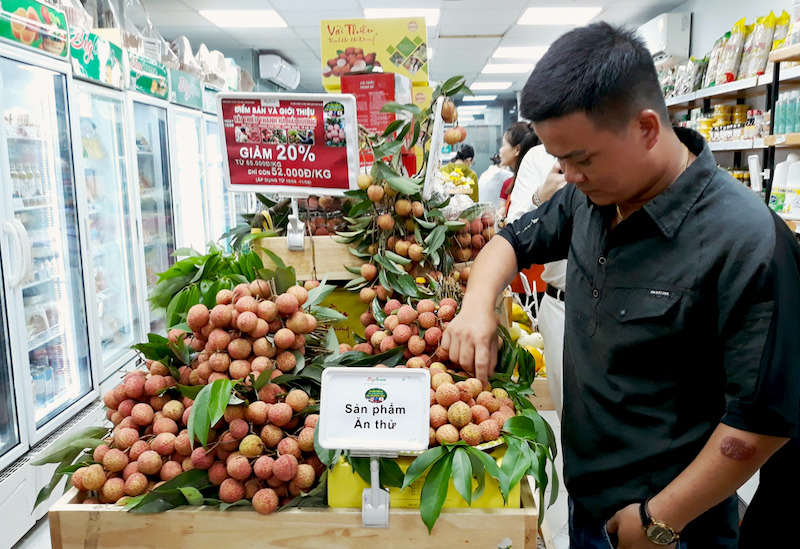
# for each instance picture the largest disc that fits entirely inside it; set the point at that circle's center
(623, 312)
(595, 293)
(602, 260)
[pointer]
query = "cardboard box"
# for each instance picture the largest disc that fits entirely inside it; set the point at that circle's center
(397, 45)
(75, 526)
(345, 487)
(322, 256)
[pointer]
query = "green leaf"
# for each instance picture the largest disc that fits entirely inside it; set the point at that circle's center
(392, 127)
(388, 149)
(285, 279)
(421, 464)
(407, 285)
(192, 495)
(397, 258)
(326, 314)
(361, 207)
(520, 426)
(189, 391)
(434, 490)
(377, 312)
(91, 437)
(425, 224)
(489, 463)
(390, 473)
(240, 503)
(415, 135)
(301, 362)
(386, 264)
(355, 282)
(262, 379)
(275, 258)
(462, 474)
(401, 184)
(46, 491)
(451, 85)
(331, 341)
(208, 408)
(397, 108)
(329, 458)
(478, 473)
(316, 295)
(360, 466)
(512, 457)
(436, 238)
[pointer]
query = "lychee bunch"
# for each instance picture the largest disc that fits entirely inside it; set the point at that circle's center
(262, 451)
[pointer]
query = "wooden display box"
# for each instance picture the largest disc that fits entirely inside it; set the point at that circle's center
(322, 256)
(541, 398)
(73, 526)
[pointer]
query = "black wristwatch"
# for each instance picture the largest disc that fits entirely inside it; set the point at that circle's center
(656, 531)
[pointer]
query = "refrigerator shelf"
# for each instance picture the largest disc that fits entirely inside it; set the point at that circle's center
(45, 337)
(30, 285)
(26, 139)
(58, 401)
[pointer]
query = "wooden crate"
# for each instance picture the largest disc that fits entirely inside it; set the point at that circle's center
(322, 256)
(541, 397)
(73, 526)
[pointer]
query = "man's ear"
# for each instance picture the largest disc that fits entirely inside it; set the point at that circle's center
(647, 125)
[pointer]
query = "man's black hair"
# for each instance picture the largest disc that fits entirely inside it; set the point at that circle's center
(465, 152)
(603, 71)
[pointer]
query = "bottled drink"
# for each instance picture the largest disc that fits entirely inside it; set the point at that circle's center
(38, 189)
(39, 388)
(49, 378)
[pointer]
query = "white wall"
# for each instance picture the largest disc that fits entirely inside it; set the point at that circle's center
(713, 18)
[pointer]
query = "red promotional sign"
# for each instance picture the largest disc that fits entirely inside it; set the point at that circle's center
(294, 144)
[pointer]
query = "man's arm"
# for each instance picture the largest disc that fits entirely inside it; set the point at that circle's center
(471, 337)
(729, 458)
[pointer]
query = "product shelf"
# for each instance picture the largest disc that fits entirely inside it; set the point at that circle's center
(783, 140)
(682, 100)
(732, 89)
(739, 145)
(787, 53)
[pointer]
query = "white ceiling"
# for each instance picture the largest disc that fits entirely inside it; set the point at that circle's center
(467, 34)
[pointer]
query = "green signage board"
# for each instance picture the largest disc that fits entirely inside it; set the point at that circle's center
(148, 77)
(35, 25)
(95, 58)
(185, 89)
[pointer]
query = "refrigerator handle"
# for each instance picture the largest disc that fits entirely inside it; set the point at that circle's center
(16, 231)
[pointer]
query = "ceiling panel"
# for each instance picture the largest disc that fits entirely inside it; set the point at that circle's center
(306, 17)
(312, 6)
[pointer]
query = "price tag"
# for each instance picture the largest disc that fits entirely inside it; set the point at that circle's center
(296, 144)
(375, 409)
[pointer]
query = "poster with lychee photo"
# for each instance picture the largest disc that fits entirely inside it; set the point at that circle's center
(296, 144)
(334, 125)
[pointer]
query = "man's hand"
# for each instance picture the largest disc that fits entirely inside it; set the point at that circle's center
(471, 339)
(627, 525)
(553, 182)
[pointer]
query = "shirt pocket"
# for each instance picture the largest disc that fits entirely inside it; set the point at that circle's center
(645, 305)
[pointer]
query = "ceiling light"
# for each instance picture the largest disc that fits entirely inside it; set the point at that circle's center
(507, 68)
(244, 19)
(479, 98)
(558, 16)
(520, 52)
(431, 15)
(490, 85)
(467, 109)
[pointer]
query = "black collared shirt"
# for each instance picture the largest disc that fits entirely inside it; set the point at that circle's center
(671, 327)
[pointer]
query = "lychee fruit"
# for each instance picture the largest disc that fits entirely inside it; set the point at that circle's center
(438, 416)
(297, 399)
(440, 378)
(93, 477)
(416, 345)
(305, 476)
(115, 460)
(459, 414)
(164, 444)
(447, 394)
(201, 459)
(489, 430)
(447, 434)
(406, 314)
(265, 501)
(471, 434)
(256, 412)
(149, 462)
(263, 467)
(280, 414)
(135, 485)
(287, 304)
(217, 473)
(112, 490)
(170, 470)
(433, 336)
(305, 440)
(488, 400)
(271, 435)
(251, 446)
(286, 361)
(475, 385)
(285, 467)
(231, 490)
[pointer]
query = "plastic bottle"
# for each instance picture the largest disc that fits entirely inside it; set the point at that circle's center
(39, 388)
(780, 114)
(777, 195)
(791, 203)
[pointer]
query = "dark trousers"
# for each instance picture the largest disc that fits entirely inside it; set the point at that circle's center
(771, 518)
(715, 529)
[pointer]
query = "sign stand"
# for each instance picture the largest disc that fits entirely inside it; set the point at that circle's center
(295, 230)
(375, 413)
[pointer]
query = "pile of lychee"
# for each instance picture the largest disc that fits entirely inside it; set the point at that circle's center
(472, 237)
(417, 328)
(352, 59)
(262, 451)
(247, 331)
(465, 410)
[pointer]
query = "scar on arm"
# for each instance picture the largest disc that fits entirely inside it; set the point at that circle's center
(736, 449)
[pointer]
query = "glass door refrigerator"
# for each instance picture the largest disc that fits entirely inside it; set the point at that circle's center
(189, 188)
(49, 334)
(152, 163)
(113, 286)
(12, 439)
(220, 206)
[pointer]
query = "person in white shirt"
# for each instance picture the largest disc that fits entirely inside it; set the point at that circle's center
(491, 182)
(538, 178)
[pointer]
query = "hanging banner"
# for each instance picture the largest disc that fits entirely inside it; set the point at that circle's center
(397, 45)
(35, 25)
(290, 143)
(95, 59)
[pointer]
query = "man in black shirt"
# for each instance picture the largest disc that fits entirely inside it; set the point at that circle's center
(670, 399)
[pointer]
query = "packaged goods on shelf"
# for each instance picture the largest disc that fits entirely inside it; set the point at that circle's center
(754, 56)
(731, 55)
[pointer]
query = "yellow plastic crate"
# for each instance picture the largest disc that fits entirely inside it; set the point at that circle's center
(345, 487)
